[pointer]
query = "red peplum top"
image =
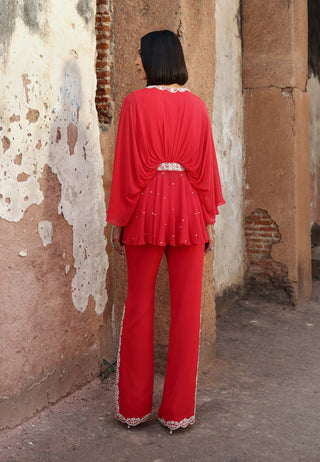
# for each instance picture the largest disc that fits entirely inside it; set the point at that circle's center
(158, 125)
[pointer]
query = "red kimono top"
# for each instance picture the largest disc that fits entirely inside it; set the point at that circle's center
(164, 125)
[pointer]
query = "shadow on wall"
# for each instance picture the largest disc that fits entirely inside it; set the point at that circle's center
(314, 37)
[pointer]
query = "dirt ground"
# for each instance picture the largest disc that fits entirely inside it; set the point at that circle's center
(260, 401)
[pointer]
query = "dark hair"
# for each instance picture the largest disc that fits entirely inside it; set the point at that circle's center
(162, 58)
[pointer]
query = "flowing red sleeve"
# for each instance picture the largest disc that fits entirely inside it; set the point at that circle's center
(203, 173)
(130, 175)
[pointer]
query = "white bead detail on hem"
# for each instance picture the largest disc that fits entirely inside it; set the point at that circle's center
(170, 167)
(172, 425)
(169, 89)
(131, 421)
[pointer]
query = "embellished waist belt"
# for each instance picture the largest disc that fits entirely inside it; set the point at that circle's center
(171, 167)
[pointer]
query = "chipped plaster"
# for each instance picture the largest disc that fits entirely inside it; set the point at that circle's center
(43, 92)
(45, 232)
(228, 136)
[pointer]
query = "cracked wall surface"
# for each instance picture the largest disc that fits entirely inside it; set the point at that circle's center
(52, 206)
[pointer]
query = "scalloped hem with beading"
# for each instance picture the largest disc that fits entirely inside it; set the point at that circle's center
(172, 425)
(131, 421)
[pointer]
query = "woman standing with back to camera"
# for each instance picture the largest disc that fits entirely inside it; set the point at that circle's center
(164, 198)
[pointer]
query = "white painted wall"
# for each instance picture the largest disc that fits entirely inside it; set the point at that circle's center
(48, 65)
(313, 88)
(228, 136)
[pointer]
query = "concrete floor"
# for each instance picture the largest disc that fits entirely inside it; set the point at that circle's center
(260, 401)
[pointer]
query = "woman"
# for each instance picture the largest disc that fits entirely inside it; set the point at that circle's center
(164, 197)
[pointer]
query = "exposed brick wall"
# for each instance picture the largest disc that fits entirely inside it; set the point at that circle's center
(104, 103)
(264, 275)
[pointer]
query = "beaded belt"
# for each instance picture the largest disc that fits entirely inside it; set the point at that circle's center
(170, 166)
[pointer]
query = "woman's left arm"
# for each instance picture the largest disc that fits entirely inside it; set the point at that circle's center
(116, 240)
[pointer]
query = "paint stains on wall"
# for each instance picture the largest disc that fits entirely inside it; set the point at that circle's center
(33, 14)
(26, 81)
(14, 118)
(85, 10)
(72, 137)
(8, 14)
(5, 143)
(32, 115)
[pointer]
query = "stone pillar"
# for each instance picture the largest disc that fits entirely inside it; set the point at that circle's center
(276, 130)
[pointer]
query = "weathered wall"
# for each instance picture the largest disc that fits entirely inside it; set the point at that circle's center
(53, 260)
(276, 128)
(190, 19)
(314, 92)
(228, 135)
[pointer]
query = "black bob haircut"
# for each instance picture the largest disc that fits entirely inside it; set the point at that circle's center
(162, 58)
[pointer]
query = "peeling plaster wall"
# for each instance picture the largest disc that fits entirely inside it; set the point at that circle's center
(48, 117)
(228, 135)
(52, 209)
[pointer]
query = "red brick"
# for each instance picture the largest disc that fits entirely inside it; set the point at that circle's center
(103, 74)
(103, 99)
(100, 100)
(103, 16)
(101, 64)
(264, 263)
(102, 46)
(268, 228)
(103, 83)
(256, 245)
(101, 29)
(102, 55)
(101, 95)
(263, 222)
(101, 37)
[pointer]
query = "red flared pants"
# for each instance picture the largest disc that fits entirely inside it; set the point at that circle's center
(135, 375)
